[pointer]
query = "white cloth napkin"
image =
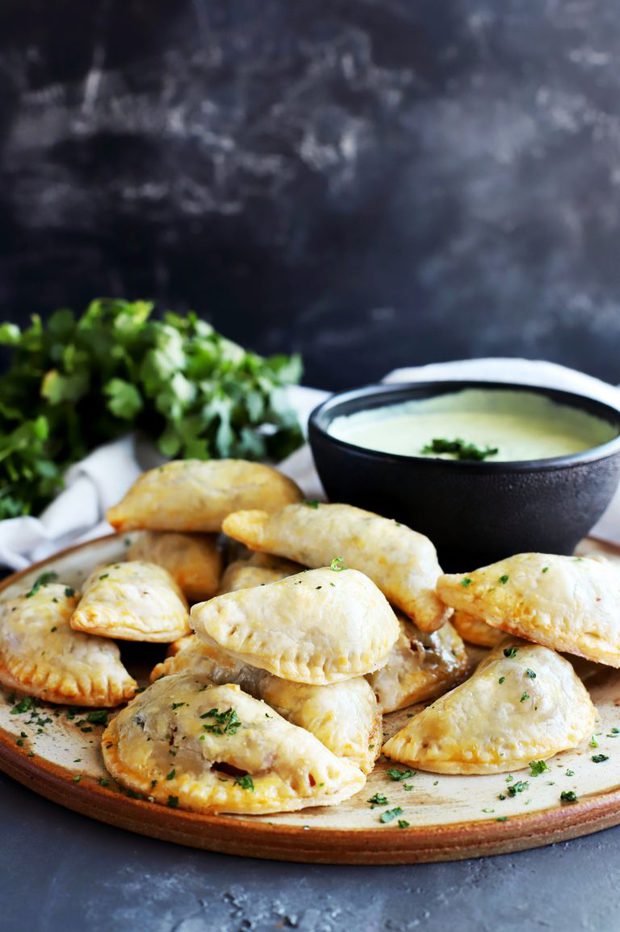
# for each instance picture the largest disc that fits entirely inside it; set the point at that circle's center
(103, 477)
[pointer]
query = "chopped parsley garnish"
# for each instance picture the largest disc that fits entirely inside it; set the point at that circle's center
(171, 775)
(224, 723)
(510, 651)
(395, 774)
(40, 581)
(466, 581)
(77, 778)
(537, 767)
(568, 796)
(177, 705)
(545, 569)
(593, 742)
(55, 628)
(245, 782)
(98, 717)
(502, 818)
(530, 673)
(24, 705)
(173, 802)
(104, 576)
(524, 696)
(103, 781)
(337, 564)
(390, 814)
(459, 449)
(518, 787)
(311, 502)
(570, 773)
(599, 758)
(69, 591)
(402, 823)
(501, 680)
(378, 800)
(504, 579)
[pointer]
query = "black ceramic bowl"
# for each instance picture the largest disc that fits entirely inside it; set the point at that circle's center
(474, 512)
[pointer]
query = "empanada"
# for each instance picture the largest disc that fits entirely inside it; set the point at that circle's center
(523, 703)
(216, 749)
(317, 627)
(258, 570)
(133, 601)
(401, 562)
(193, 560)
(41, 655)
(196, 495)
(419, 666)
(567, 603)
(343, 716)
(475, 630)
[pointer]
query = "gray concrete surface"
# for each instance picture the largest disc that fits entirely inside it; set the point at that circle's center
(61, 871)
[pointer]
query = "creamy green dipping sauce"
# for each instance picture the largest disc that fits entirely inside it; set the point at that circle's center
(520, 425)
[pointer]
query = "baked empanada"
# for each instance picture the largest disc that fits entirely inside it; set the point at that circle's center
(193, 560)
(567, 603)
(133, 601)
(316, 627)
(41, 655)
(401, 562)
(196, 495)
(419, 667)
(523, 703)
(216, 749)
(343, 716)
(475, 630)
(258, 570)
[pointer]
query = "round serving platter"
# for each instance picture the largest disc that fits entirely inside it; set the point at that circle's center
(55, 752)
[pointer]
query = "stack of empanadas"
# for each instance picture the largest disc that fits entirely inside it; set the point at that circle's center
(272, 694)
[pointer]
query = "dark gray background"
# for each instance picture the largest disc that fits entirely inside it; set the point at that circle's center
(374, 182)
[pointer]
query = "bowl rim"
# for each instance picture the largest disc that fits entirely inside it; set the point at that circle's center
(324, 413)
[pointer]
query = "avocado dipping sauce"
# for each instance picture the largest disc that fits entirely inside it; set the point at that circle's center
(476, 424)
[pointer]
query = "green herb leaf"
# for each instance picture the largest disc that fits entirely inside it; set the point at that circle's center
(459, 449)
(568, 796)
(504, 579)
(245, 782)
(537, 767)
(97, 717)
(510, 651)
(337, 564)
(224, 723)
(395, 774)
(599, 758)
(390, 814)
(43, 580)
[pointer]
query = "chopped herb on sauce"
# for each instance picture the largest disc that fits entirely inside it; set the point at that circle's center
(599, 758)
(510, 651)
(568, 796)
(459, 449)
(378, 800)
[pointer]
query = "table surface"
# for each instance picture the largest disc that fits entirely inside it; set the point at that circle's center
(60, 870)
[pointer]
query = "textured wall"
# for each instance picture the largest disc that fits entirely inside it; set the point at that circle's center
(375, 182)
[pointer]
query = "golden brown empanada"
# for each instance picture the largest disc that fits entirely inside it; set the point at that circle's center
(566, 603)
(401, 562)
(476, 631)
(196, 495)
(216, 749)
(317, 627)
(419, 667)
(133, 601)
(41, 655)
(343, 716)
(193, 560)
(523, 703)
(257, 571)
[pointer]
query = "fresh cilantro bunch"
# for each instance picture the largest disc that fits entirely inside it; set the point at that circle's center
(76, 382)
